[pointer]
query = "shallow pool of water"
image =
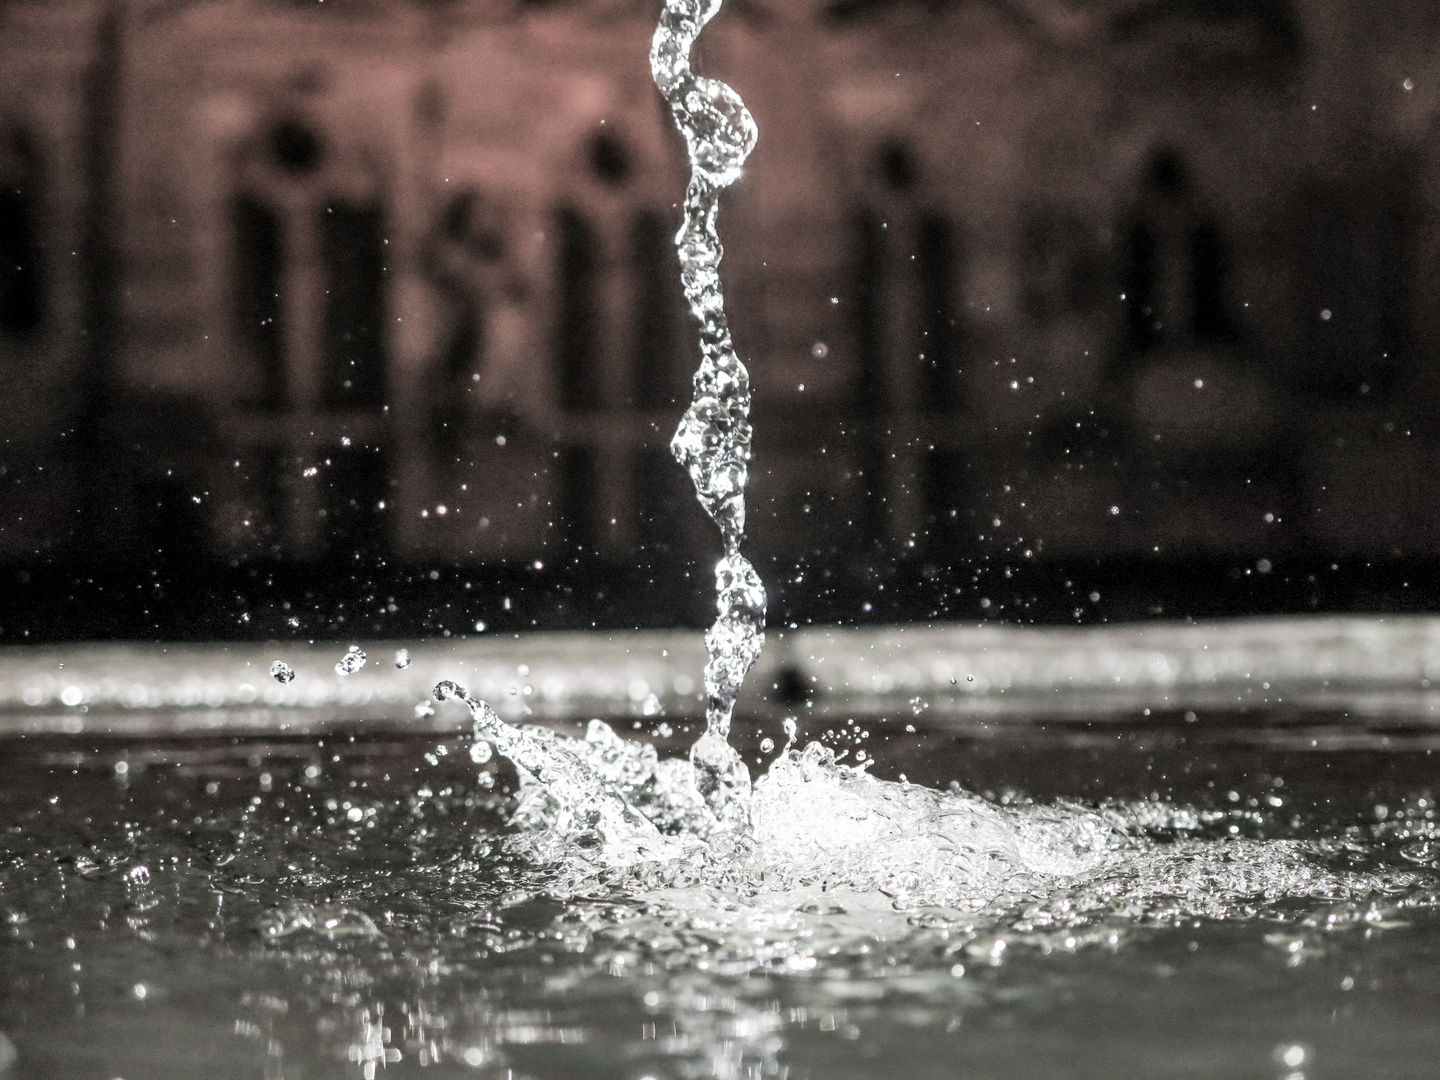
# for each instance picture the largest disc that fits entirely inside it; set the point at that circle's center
(344, 904)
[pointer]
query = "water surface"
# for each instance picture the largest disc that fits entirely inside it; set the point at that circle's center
(1257, 900)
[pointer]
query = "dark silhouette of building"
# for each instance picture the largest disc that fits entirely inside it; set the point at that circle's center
(1031, 280)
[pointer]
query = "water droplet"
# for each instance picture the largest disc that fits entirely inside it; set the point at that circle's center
(351, 662)
(402, 658)
(282, 672)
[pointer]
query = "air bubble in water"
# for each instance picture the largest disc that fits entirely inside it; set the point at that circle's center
(351, 662)
(282, 672)
(767, 744)
(480, 752)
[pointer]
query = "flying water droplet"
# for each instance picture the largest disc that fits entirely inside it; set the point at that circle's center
(402, 658)
(351, 662)
(282, 672)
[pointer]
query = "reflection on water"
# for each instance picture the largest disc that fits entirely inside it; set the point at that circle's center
(350, 906)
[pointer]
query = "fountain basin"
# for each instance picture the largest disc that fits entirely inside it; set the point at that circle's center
(317, 886)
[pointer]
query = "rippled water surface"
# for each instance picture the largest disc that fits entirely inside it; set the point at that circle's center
(1138, 897)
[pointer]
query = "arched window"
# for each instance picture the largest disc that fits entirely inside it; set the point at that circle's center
(309, 303)
(1176, 270)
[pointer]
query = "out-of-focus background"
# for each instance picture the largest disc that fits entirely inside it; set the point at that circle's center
(362, 316)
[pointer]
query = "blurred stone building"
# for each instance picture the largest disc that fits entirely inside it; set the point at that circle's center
(1066, 278)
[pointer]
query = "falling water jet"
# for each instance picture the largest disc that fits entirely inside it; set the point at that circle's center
(713, 439)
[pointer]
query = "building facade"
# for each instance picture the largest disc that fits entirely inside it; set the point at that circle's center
(1016, 279)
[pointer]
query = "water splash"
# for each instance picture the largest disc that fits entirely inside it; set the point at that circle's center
(713, 439)
(604, 816)
(571, 791)
(708, 849)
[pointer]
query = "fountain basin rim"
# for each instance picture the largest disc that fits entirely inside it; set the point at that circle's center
(944, 674)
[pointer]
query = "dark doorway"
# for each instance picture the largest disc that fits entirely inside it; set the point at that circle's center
(576, 484)
(355, 504)
(947, 518)
(936, 256)
(353, 243)
(1142, 322)
(663, 501)
(21, 253)
(268, 469)
(1211, 321)
(865, 316)
(659, 376)
(259, 269)
(577, 355)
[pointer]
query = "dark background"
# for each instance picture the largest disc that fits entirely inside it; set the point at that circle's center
(361, 317)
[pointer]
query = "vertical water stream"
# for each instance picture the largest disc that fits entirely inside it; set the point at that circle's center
(713, 444)
(713, 439)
